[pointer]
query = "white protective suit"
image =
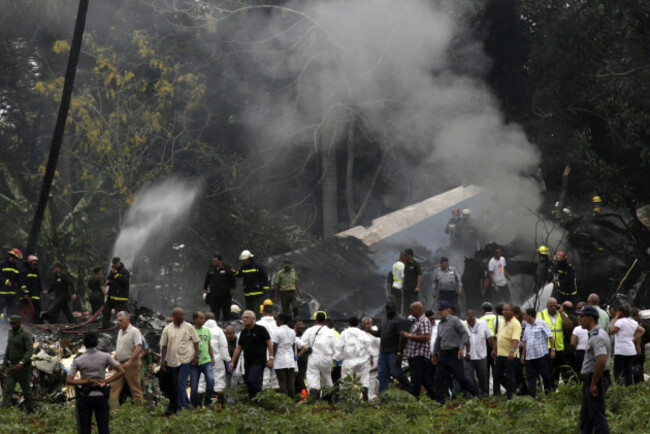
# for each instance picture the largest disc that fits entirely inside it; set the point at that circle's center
(353, 347)
(270, 380)
(322, 342)
(373, 387)
(221, 357)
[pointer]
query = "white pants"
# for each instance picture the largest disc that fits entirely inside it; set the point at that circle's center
(219, 372)
(373, 384)
(270, 380)
(318, 375)
(361, 369)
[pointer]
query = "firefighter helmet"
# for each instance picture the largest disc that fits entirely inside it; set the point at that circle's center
(246, 254)
(596, 199)
(32, 258)
(561, 255)
(16, 253)
(543, 250)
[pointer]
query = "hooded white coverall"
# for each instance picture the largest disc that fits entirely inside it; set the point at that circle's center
(221, 357)
(322, 342)
(353, 347)
(270, 380)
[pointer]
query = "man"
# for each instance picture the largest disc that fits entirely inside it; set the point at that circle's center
(267, 321)
(559, 323)
(301, 363)
(476, 359)
(180, 349)
(118, 282)
(566, 287)
(17, 364)
(507, 350)
(10, 282)
(255, 343)
(373, 382)
(498, 277)
(220, 283)
(595, 375)
(353, 347)
(96, 289)
(603, 317)
(31, 285)
(92, 390)
(390, 349)
(127, 352)
(64, 292)
(320, 342)
(418, 350)
(412, 281)
(447, 285)
(232, 380)
(639, 359)
(396, 280)
(286, 282)
(453, 225)
(537, 339)
(543, 272)
(284, 349)
(448, 353)
(205, 364)
(221, 354)
(493, 320)
(255, 281)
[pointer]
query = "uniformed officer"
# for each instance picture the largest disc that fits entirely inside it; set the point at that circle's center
(447, 285)
(31, 285)
(118, 282)
(594, 374)
(9, 282)
(255, 281)
(18, 363)
(64, 292)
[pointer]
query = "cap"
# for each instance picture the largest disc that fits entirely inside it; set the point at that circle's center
(589, 310)
(444, 305)
(444, 259)
(287, 261)
(15, 318)
(116, 260)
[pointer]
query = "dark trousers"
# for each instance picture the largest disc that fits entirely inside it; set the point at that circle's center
(88, 405)
(95, 303)
(559, 367)
(503, 294)
(221, 305)
(450, 297)
(408, 297)
(420, 365)
(37, 311)
(580, 357)
(60, 305)
(449, 365)
(9, 303)
(289, 300)
(253, 302)
(168, 388)
(111, 305)
(496, 385)
(253, 377)
(504, 371)
(396, 294)
(478, 367)
(286, 378)
(623, 367)
(299, 382)
(536, 368)
(21, 377)
(387, 367)
(592, 411)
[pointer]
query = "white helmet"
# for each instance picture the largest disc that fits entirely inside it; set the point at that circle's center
(235, 309)
(467, 211)
(245, 255)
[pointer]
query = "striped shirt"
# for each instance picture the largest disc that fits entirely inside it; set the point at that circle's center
(419, 348)
(179, 341)
(536, 336)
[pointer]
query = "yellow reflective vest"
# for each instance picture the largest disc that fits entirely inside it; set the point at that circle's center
(556, 329)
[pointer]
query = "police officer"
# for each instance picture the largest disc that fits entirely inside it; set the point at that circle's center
(31, 285)
(64, 290)
(447, 285)
(255, 281)
(594, 374)
(92, 389)
(220, 284)
(118, 282)
(10, 282)
(18, 363)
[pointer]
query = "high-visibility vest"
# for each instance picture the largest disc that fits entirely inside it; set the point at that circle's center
(493, 322)
(556, 329)
(397, 281)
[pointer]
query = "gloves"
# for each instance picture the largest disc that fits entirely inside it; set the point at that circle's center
(228, 366)
(295, 357)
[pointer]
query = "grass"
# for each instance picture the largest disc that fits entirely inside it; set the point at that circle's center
(627, 411)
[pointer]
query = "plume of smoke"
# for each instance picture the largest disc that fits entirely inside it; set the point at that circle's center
(153, 216)
(407, 71)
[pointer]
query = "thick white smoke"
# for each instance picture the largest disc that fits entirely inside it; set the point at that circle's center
(152, 217)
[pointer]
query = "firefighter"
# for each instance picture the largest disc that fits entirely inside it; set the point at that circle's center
(64, 292)
(452, 226)
(597, 206)
(255, 281)
(544, 272)
(10, 283)
(31, 286)
(118, 282)
(566, 287)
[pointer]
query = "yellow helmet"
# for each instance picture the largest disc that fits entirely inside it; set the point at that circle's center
(320, 311)
(267, 302)
(543, 250)
(596, 199)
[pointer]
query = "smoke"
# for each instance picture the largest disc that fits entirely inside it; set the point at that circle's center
(153, 216)
(410, 77)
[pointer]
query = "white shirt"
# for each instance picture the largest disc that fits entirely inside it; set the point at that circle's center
(127, 340)
(434, 335)
(477, 336)
(624, 342)
(285, 337)
(583, 337)
(498, 269)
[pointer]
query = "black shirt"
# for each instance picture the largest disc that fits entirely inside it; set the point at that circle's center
(253, 343)
(219, 280)
(411, 272)
(231, 346)
(390, 330)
